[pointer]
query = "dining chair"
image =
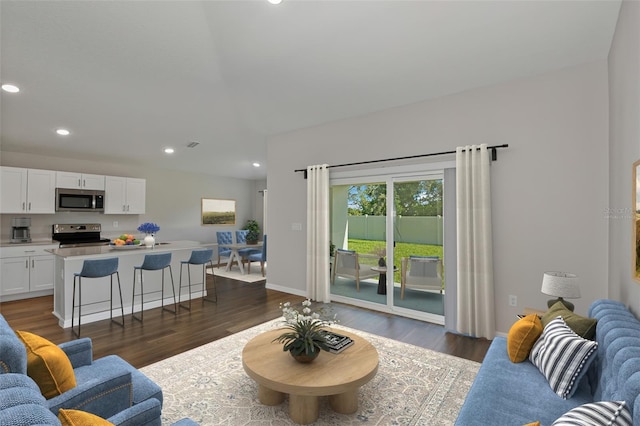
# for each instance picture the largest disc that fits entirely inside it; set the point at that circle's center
(96, 268)
(421, 272)
(258, 257)
(224, 237)
(241, 238)
(349, 264)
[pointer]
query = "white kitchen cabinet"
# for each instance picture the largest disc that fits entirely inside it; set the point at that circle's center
(15, 275)
(124, 195)
(26, 270)
(79, 181)
(27, 190)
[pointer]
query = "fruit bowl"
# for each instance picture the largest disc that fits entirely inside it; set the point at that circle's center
(125, 242)
(126, 246)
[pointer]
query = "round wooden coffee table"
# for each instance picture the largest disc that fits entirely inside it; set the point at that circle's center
(337, 375)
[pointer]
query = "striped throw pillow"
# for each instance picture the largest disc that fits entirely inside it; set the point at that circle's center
(562, 356)
(613, 413)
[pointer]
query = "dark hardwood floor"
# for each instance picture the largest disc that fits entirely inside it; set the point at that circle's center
(240, 306)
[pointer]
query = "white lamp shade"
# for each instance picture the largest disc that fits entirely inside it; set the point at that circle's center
(560, 284)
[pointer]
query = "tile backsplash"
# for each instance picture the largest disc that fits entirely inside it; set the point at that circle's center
(41, 223)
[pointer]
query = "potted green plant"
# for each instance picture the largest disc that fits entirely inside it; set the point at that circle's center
(254, 231)
(305, 337)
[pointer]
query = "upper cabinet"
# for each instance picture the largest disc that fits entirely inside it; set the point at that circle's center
(30, 191)
(79, 181)
(124, 195)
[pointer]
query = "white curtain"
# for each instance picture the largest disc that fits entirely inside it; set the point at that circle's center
(318, 233)
(476, 315)
(264, 213)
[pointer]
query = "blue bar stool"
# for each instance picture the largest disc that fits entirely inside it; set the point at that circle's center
(198, 257)
(97, 268)
(152, 262)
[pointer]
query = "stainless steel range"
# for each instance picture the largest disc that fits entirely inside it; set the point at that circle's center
(78, 235)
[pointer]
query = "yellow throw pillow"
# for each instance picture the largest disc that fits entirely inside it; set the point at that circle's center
(533, 424)
(47, 365)
(522, 335)
(80, 418)
(582, 326)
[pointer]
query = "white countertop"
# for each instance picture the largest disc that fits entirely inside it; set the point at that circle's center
(34, 242)
(104, 251)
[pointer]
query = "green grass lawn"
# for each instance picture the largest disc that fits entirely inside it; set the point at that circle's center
(401, 250)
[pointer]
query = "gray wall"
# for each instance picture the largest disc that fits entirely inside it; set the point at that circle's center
(624, 149)
(550, 187)
(573, 135)
(173, 199)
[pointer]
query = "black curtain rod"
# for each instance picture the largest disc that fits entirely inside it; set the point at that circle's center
(494, 157)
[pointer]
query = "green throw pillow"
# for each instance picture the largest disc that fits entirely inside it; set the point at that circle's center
(582, 326)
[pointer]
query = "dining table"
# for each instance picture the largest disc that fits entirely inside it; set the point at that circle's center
(235, 253)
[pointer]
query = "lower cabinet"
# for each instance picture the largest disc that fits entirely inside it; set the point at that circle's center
(27, 275)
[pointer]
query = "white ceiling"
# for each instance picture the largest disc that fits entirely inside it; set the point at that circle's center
(131, 77)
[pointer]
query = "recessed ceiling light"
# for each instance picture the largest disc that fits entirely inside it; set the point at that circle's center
(10, 88)
(256, 164)
(275, 1)
(63, 132)
(169, 150)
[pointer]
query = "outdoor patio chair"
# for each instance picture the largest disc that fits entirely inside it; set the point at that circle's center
(421, 272)
(348, 264)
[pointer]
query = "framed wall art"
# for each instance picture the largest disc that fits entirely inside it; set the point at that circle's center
(218, 212)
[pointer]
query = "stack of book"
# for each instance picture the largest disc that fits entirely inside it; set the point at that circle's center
(337, 342)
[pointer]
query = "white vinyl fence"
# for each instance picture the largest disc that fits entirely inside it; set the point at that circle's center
(408, 229)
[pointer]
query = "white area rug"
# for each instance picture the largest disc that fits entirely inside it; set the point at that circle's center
(235, 274)
(413, 386)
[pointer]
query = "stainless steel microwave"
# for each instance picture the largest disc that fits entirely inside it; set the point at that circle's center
(79, 200)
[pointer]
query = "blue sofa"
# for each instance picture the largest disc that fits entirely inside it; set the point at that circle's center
(512, 394)
(108, 387)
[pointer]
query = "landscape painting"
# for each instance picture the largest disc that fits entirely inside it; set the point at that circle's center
(218, 212)
(636, 220)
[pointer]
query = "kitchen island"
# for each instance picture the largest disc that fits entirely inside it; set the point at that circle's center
(95, 291)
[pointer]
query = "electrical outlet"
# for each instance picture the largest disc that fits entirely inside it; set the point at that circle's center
(513, 300)
(115, 223)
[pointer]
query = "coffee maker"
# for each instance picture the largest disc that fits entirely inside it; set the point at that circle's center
(20, 232)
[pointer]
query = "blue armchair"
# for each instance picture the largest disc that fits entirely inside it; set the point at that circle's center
(224, 237)
(21, 403)
(104, 387)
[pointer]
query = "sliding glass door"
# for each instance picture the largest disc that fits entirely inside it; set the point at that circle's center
(358, 232)
(419, 246)
(387, 239)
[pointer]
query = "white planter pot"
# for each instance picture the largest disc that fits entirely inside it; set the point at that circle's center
(149, 241)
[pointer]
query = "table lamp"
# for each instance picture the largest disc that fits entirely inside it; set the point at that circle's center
(561, 285)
